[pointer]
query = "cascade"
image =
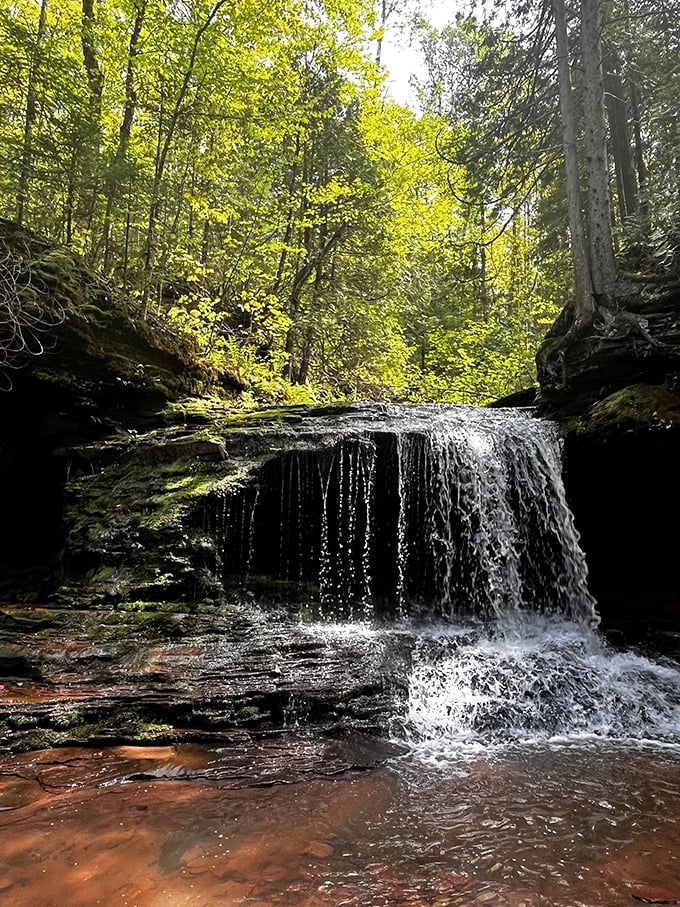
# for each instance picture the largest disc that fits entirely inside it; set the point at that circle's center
(407, 511)
(450, 525)
(545, 679)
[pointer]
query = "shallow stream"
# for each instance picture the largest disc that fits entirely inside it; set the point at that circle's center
(577, 824)
(532, 769)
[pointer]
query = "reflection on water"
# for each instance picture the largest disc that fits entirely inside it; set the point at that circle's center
(581, 824)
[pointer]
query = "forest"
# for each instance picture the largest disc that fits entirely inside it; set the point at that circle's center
(339, 453)
(240, 171)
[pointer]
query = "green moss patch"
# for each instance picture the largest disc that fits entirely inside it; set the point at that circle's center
(634, 408)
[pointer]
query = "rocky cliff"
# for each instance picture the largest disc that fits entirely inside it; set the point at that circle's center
(615, 387)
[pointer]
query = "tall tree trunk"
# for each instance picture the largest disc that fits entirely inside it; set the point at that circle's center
(165, 143)
(126, 245)
(601, 244)
(383, 23)
(585, 304)
(640, 166)
(290, 368)
(622, 148)
(639, 157)
(30, 114)
(312, 263)
(291, 186)
(114, 173)
(483, 269)
(92, 141)
(310, 333)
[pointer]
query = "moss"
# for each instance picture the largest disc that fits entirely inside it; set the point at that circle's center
(214, 718)
(147, 494)
(197, 410)
(220, 414)
(150, 731)
(637, 407)
(163, 607)
(130, 730)
(121, 730)
(137, 513)
(27, 621)
(249, 714)
(158, 623)
(35, 739)
(274, 590)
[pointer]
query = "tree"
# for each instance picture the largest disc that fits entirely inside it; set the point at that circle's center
(30, 113)
(240, 170)
(601, 244)
(584, 298)
(494, 95)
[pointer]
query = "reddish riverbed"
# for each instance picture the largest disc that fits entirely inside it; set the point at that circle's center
(285, 823)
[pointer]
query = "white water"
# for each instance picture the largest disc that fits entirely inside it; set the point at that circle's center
(483, 516)
(540, 680)
(459, 514)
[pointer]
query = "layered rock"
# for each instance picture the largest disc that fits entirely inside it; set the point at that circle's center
(158, 672)
(638, 343)
(80, 363)
(615, 387)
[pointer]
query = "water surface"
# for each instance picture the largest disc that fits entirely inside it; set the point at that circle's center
(578, 824)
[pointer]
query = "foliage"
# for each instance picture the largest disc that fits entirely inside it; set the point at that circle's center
(239, 170)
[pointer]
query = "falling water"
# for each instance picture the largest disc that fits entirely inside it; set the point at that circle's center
(552, 679)
(451, 526)
(451, 511)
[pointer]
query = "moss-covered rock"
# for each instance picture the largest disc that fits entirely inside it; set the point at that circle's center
(637, 342)
(138, 512)
(639, 407)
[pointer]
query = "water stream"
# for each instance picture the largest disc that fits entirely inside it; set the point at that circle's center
(530, 762)
(412, 511)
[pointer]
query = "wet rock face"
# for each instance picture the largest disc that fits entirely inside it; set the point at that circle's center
(152, 672)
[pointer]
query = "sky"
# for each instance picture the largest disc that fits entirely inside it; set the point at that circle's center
(402, 60)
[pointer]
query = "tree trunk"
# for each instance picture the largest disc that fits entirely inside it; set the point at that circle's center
(585, 304)
(164, 144)
(92, 141)
(29, 119)
(622, 148)
(383, 23)
(639, 153)
(601, 244)
(310, 333)
(114, 174)
(291, 186)
(290, 368)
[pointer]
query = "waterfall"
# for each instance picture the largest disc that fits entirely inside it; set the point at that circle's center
(450, 525)
(412, 511)
(554, 679)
